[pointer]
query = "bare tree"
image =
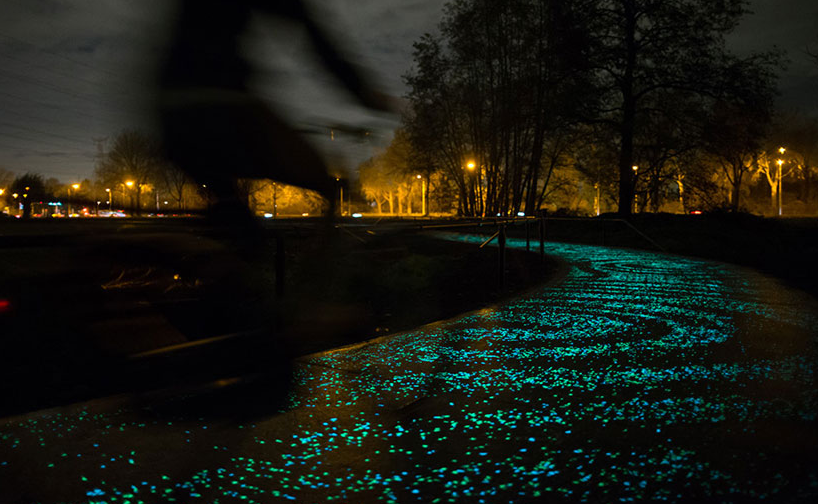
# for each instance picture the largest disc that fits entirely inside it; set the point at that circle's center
(487, 94)
(733, 140)
(174, 181)
(6, 178)
(648, 50)
(134, 157)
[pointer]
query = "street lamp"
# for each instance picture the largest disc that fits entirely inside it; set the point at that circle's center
(110, 197)
(635, 195)
(471, 165)
(422, 194)
(778, 182)
(341, 187)
(75, 186)
(275, 200)
(129, 184)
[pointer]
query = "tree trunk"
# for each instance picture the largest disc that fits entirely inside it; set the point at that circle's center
(680, 183)
(774, 197)
(736, 191)
(626, 132)
(400, 203)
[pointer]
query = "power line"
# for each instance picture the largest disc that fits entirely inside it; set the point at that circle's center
(37, 119)
(49, 105)
(28, 152)
(57, 55)
(52, 70)
(47, 85)
(40, 132)
(36, 140)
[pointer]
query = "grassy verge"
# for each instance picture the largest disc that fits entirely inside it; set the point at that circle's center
(87, 295)
(786, 248)
(392, 283)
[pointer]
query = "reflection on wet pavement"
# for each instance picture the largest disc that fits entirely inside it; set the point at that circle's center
(638, 376)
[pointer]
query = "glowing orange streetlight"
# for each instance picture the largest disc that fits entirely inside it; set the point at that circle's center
(128, 184)
(75, 187)
(780, 162)
(470, 165)
(422, 193)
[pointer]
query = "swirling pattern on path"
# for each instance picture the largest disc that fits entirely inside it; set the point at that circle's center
(636, 377)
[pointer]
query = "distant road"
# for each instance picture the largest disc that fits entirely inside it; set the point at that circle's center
(637, 377)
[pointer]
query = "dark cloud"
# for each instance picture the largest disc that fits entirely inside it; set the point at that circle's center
(71, 71)
(75, 70)
(49, 8)
(90, 45)
(789, 26)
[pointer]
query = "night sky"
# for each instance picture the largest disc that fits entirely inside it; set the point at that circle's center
(73, 71)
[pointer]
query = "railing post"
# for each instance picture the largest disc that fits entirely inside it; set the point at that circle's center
(280, 266)
(501, 257)
(542, 235)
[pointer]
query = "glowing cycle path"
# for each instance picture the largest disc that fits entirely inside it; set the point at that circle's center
(636, 377)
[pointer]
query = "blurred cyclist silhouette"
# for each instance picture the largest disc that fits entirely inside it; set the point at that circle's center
(218, 131)
(215, 128)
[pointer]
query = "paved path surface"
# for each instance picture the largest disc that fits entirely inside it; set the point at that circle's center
(636, 377)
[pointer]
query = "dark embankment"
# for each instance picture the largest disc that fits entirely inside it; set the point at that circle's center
(84, 297)
(786, 248)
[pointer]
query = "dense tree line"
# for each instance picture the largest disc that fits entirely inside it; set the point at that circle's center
(628, 96)
(132, 174)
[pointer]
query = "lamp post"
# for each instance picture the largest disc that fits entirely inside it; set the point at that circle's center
(110, 198)
(422, 194)
(635, 195)
(275, 200)
(129, 184)
(596, 200)
(341, 187)
(75, 187)
(781, 150)
(471, 166)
